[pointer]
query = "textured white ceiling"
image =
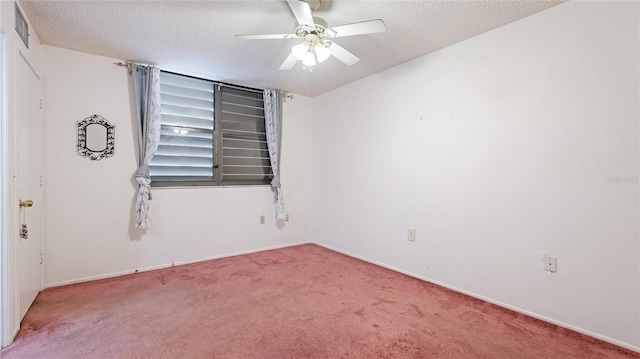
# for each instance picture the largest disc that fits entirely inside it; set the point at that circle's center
(197, 37)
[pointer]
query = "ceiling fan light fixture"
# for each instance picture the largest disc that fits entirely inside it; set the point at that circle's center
(323, 52)
(300, 50)
(309, 59)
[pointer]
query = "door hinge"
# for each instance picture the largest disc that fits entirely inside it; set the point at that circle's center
(41, 104)
(41, 181)
(41, 258)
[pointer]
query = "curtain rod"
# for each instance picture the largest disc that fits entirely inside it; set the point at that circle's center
(126, 64)
(286, 94)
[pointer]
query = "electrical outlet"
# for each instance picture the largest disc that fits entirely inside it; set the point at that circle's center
(411, 235)
(550, 263)
(262, 219)
(286, 217)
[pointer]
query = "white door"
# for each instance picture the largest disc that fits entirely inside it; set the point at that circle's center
(29, 181)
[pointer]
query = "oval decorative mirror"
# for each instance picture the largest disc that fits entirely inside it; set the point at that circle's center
(96, 138)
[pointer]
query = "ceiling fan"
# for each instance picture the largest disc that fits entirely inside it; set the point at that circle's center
(315, 34)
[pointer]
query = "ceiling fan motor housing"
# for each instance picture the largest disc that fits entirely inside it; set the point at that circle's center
(319, 29)
(318, 5)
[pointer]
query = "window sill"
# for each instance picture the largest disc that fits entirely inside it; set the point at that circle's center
(206, 186)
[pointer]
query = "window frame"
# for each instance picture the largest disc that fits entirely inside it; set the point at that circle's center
(217, 148)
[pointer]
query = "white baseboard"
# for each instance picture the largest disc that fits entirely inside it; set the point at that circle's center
(489, 300)
(12, 337)
(167, 265)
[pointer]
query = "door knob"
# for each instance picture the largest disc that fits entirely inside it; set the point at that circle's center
(26, 203)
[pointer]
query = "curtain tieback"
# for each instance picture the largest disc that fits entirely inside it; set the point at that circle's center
(144, 180)
(142, 171)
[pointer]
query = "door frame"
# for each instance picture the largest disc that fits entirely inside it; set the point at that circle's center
(9, 280)
(4, 178)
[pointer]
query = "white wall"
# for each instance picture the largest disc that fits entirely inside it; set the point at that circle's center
(11, 48)
(89, 204)
(499, 149)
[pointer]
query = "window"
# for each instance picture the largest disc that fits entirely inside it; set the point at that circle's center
(212, 134)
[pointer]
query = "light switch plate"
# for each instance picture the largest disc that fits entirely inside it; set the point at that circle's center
(411, 235)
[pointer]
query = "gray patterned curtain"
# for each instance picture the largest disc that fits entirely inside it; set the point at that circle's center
(273, 100)
(146, 86)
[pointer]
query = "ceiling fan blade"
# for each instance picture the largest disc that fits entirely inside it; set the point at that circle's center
(289, 62)
(343, 55)
(301, 11)
(360, 28)
(265, 37)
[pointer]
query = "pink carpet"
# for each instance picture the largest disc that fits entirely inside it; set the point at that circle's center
(298, 302)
